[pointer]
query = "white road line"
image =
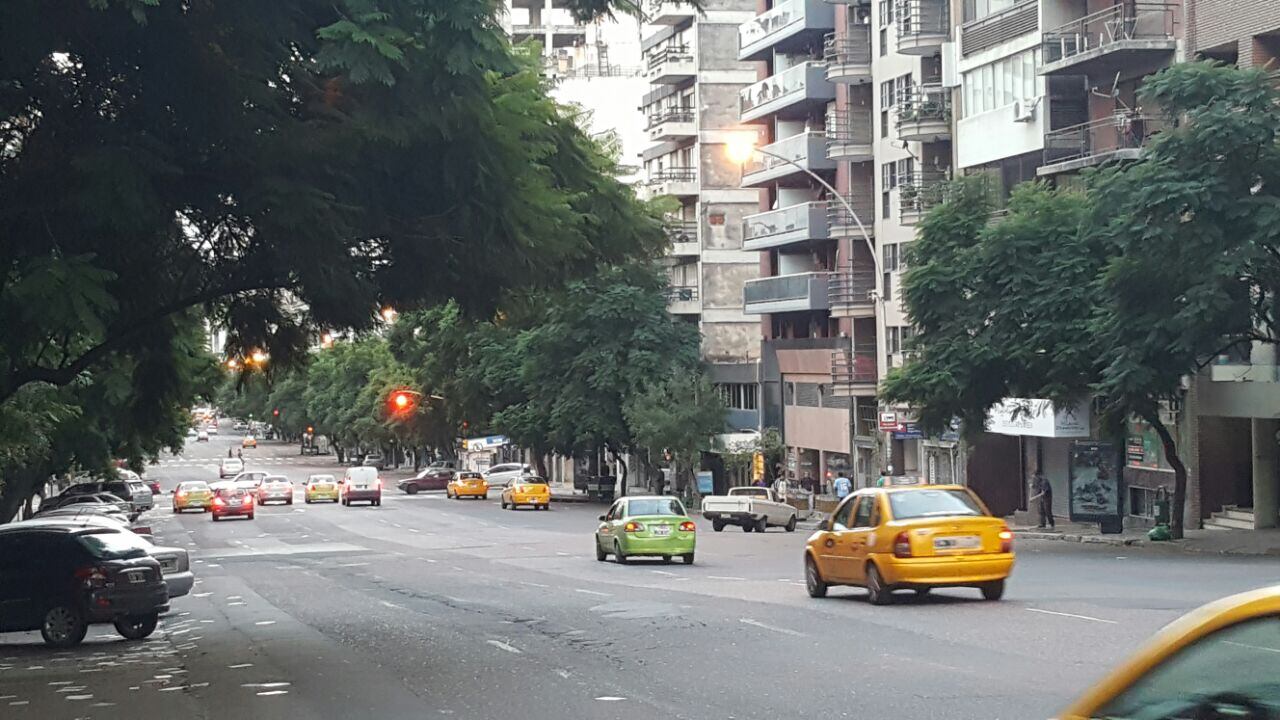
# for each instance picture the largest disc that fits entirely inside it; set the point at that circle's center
(610, 698)
(504, 646)
(533, 584)
(662, 572)
(353, 565)
(773, 628)
(391, 605)
(724, 577)
(591, 592)
(1072, 615)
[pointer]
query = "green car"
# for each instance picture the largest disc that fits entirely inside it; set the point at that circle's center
(646, 526)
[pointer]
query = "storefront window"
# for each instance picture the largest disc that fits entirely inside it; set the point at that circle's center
(1143, 448)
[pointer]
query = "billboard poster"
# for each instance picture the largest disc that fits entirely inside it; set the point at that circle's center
(706, 482)
(1094, 481)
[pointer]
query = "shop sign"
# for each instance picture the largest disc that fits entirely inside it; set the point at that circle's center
(907, 431)
(1030, 417)
(889, 422)
(485, 443)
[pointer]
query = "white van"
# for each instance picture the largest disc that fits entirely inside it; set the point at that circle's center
(361, 483)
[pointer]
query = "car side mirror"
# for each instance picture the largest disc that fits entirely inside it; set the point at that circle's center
(602, 518)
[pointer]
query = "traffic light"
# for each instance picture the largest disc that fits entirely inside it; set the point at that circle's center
(310, 429)
(402, 402)
(276, 412)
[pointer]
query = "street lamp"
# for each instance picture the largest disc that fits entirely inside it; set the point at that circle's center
(232, 363)
(388, 314)
(257, 357)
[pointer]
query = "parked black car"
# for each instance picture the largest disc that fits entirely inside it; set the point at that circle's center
(61, 578)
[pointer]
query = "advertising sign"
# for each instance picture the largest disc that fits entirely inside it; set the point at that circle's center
(907, 431)
(706, 482)
(1094, 482)
(1030, 417)
(889, 422)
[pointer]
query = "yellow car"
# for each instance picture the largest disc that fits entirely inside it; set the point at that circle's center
(192, 495)
(1219, 661)
(467, 484)
(528, 490)
(321, 487)
(249, 441)
(915, 538)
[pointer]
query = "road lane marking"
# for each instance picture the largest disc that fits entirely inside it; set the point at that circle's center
(1072, 615)
(591, 592)
(391, 605)
(533, 584)
(663, 572)
(265, 622)
(724, 577)
(239, 666)
(610, 698)
(504, 646)
(353, 565)
(773, 628)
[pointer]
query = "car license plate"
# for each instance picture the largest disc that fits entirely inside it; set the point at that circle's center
(137, 577)
(661, 530)
(957, 542)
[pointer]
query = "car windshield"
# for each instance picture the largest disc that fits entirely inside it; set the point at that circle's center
(113, 545)
(751, 492)
(910, 504)
(654, 506)
(321, 479)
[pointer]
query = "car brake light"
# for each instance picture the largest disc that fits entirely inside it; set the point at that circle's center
(219, 501)
(633, 527)
(688, 526)
(902, 546)
(92, 576)
(1006, 540)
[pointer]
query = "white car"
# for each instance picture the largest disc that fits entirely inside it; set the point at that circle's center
(500, 476)
(752, 508)
(275, 488)
(230, 467)
(202, 436)
(213, 430)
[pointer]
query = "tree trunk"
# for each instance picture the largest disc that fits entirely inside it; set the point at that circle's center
(540, 462)
(622, 492)
(1179, 473)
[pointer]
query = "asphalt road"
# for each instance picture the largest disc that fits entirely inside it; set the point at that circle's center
(429, 607)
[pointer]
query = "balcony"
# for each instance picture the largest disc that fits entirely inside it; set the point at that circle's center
(683, 235)
(919, 193)
(560, 35)
(854, 372)
(849, 134)
(788, 27)
(683, 300)
(791, 93)
(1132, 37)
(851, 292)
(776, 228)
(1119, 137)
(848, 57)
(677, 182)
(842, 224)
(923, 26)
(670, 64)
(808, 150)
(1000, 27)
(924, 114)
(673, 123)
(786, 293)
(668, 12)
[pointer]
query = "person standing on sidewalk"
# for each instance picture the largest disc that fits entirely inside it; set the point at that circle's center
(842, 486)
(1042, 495)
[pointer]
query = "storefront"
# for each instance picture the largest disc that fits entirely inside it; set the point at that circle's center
(1049, 435)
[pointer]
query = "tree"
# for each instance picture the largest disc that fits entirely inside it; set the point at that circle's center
(283, 167)
(680, 416)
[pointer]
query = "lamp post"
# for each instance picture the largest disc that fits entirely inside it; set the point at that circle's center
(740, 149)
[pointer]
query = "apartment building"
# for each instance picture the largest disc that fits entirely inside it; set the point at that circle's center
(691, 63)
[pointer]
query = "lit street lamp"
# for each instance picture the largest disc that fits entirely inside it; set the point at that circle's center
(388, 314)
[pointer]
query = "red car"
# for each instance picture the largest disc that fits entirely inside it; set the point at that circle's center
(232, 501)
(155, 487)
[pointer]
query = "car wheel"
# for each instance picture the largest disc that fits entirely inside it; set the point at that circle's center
(717, 525)
(688, 558)
(504, 504)
(618, 554)
(762, 524)
(601, 555)
(791, 524)
(250, 516)
(307, 501)
(215, 517)
(922, 591)
(378, 502)
(877, 593)
(813, 581)
(993, 590)
(288, 502)
(63, 627)
(413, 489)
(137, 627)
(666, 559)
(176, 510)
(486, 496)
(748, 526)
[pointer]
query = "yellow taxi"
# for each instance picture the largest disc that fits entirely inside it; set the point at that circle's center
(1220, 661)
(915, 537)
(320, 487)
(527, 490)
(192, 495)
(467, 484)
(249, 441)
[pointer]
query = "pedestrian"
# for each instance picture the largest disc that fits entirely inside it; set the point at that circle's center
(780, 488)
(228, 452)
(843, 486)
(240, 453)
(884, 479)
(1042, 495)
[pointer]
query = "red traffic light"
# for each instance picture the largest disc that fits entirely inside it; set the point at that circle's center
(401, 400)
(276, 412)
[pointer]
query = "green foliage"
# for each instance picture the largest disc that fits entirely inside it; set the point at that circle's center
(680, 415)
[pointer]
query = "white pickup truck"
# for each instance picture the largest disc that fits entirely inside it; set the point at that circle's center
(752, 508)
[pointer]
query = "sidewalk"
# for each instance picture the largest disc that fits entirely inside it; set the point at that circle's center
(1213, 542)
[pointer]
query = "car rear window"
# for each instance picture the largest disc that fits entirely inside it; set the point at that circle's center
(197, 486)
(232, 492)
(657, 506)
(113, 545)
(932, 503)
(470, 475)
(321, 478)
(531, 480)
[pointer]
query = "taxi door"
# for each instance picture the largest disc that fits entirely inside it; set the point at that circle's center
(836, 545)
(861, 535)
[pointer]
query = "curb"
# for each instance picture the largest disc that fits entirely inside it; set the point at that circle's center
(572, 499)
(1175, 545)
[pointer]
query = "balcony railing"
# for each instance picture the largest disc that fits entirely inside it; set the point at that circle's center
(808, 150)
(682, 293)
(668, 53)
(854, 367)
(923, 25)
(674, 174)
(666, 115)
(770, 22)
(843, 224)
(1111, 27)
(999, 27)
(790, 84)
(849, 132)
(919, 193)
(681, 231)
(795, 223)
(853, 288)
(787, 293)
(848, 55)
(1099, 140)
(924, 112)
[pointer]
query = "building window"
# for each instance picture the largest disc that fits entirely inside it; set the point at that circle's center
(740, 396)
(893, 258)
(1142, 502)
(884, 41)
(887, 287)
(1003, 82)
(897, 338)
(886, 12)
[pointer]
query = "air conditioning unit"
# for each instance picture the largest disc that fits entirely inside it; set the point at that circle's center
(1024, 111)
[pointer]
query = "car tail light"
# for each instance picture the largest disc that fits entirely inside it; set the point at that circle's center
(142, 530)
(1006, 540)
(902, 546)
(633, 527)
(92, 576)
(219, 501)
(378, 484)
(688, 526)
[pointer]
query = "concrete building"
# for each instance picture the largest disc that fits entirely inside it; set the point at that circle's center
(690, 112)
